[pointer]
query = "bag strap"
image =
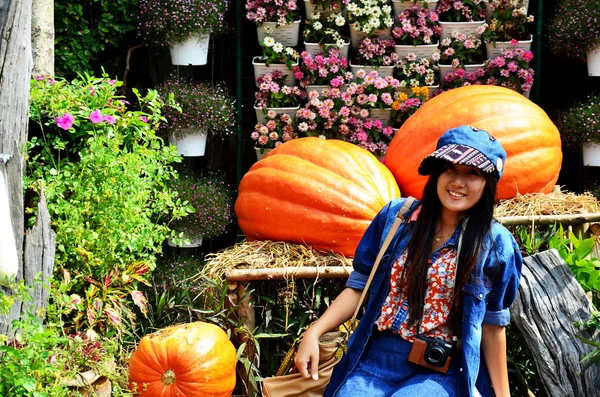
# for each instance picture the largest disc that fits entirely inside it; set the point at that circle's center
(388, 239)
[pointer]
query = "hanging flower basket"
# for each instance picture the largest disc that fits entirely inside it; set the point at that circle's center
(493, 52)
(286, 35)
(261, 68)
(193, 51)
(316, 48)
(468, 28)
(189, 142)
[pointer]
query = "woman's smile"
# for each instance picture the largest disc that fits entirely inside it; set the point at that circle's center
(460, 187)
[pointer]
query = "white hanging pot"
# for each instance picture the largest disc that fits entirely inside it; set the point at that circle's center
(9, 260)
(593, 61)
(591, 154)
(189, 142)
(193, 51)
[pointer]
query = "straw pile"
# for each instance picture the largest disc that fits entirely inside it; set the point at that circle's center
(268, 254)
(555, 203)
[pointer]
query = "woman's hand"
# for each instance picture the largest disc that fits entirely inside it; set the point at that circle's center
(307, 356)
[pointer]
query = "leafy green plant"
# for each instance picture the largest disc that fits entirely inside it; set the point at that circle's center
(103, 171)
(86, 31)
(577, 253)
(531, 239)
(592, 358)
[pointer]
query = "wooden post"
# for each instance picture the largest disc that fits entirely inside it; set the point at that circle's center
(548, 302)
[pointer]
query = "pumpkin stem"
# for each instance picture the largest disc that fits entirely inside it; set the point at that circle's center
(168, 378)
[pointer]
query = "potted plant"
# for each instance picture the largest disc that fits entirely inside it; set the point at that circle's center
(322, 32)
(375, 93)
(579, 128)
(461, 16)
(210, 208)
(460, 77)
(279, 19)
(375, 54)
(406, 104)
(418, 72)
(417, 31)
(369, 18)
(205, 109)
(182, 25)
(460, 50)
(276, 129)
(323, 6)
(510, 70)
(323, 71)
(508, 28)
(398, 6)
(574, 32)
(273, 94)
(326, 115)
(369, 134)
(276, 56)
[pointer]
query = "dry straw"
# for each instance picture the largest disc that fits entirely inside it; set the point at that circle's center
(555, 203)
(268, 254)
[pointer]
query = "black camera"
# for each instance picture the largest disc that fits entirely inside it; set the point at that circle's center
(432, 353)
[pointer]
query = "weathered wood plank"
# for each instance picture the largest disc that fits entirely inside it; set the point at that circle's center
(40, 246)
(548, 302)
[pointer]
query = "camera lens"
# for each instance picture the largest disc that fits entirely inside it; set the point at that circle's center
(435, 356)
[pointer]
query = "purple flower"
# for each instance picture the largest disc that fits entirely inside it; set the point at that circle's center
(108, 119)
(144, 119)
(96, 117)
(65, 121)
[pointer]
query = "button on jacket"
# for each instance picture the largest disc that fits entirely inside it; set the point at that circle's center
(488, 294)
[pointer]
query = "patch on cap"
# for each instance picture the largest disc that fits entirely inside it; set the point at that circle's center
(499, 165)
(466, 155)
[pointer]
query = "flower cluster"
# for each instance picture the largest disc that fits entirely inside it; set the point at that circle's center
(373, 91)
(417, 26)
(323, 70)
(367, 15)
(580, 122)
(275, 52)
(574, 28)
(280, 11)
(277, 129)
(164, 22)
(204, 106)
(272, 93)
(461, 49)
(369, 134)
(511, 70)
(461, 10)
(328, 5)
(325, 29)
(325, 115)
(376, 51)
(508, 22)
(406, 104)
(414, 72)
(211, 197)
(460, 77)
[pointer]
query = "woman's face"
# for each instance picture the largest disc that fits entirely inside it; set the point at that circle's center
(459, 188)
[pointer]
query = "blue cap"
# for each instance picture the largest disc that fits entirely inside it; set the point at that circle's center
(467, 145)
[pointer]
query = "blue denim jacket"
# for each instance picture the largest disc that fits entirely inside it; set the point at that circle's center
(489, 293)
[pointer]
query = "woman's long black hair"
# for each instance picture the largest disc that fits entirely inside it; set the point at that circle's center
(419, 248)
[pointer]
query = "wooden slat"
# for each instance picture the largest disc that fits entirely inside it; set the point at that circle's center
(288, 272)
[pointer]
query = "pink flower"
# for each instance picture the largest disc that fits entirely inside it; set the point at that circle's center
(144, 119)
(109, 119)
(96, 117)
(65, 121)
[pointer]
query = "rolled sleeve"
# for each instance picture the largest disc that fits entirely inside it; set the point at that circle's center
(500, 317)
(357, 280)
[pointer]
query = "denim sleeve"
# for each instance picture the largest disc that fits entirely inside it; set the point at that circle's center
(367, 250)
(507, 276)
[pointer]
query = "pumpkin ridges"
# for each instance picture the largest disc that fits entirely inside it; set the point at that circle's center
(200, 355)
(322, 193)
(502, 112)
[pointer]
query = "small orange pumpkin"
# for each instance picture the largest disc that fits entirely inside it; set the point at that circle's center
(322, 193)
(186, 360)
(531, 140)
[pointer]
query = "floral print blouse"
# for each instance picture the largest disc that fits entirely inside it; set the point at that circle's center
(441, 276)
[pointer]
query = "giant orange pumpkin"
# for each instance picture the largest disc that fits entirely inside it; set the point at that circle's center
(186, 360)
(531, 140)
(323, 193)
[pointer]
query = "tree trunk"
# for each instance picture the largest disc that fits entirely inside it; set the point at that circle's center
(42, 37)
(548, 302)
(15, 72)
